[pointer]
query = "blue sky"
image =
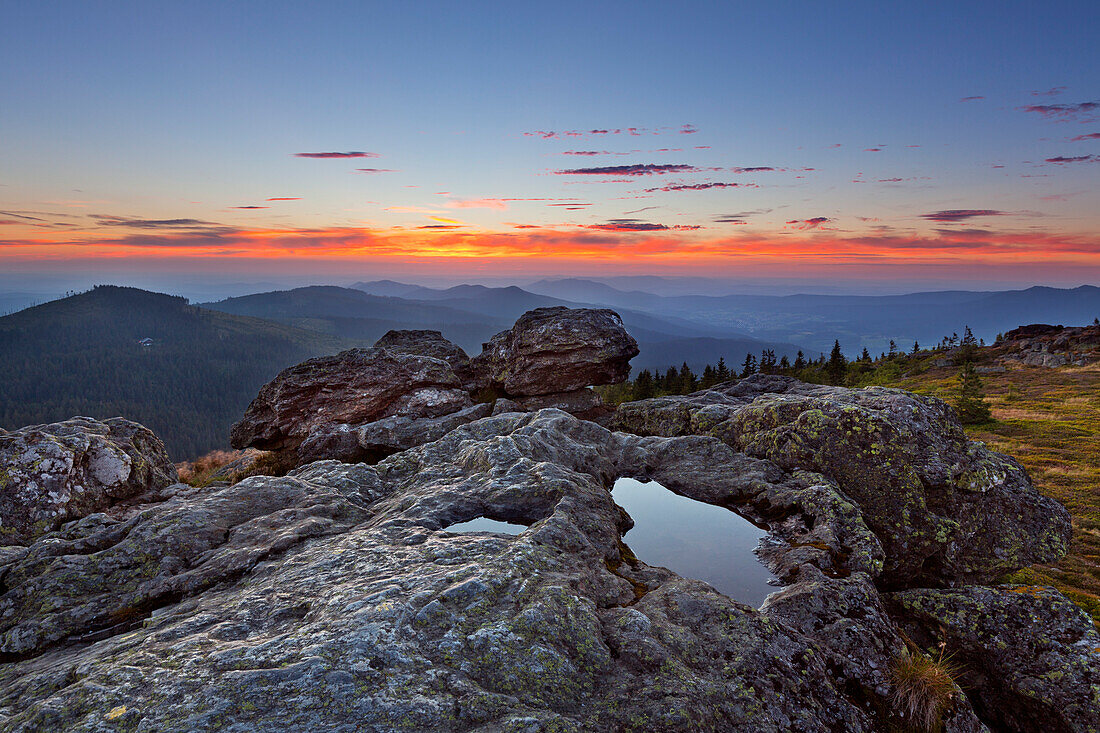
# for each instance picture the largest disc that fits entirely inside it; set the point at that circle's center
(139, 130)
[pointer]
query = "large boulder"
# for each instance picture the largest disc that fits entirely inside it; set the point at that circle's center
(430, 343)
(50, 474)
(947, 510)
(353, 387)
(559, 349)
(1029, 657)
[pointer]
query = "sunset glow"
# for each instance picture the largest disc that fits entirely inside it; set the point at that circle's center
(782, 157)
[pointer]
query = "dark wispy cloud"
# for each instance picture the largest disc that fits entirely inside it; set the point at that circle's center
(21, 216)
(637, 169)
(589, 152)
(374, 170)
(973, 98)
(600, 132)
(285, 198)
(349, 154)
(250, 207)
(1052, 92)
(872, 150)
(756, 169)
(741, 217)
(814, 223)
(1083, 111)
(952, 215)
(700, 186)
(1082, 138)
(1060, 159)
(636, 225)
(133, 223)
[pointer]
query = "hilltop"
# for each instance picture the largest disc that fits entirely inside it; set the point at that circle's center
(81, 355)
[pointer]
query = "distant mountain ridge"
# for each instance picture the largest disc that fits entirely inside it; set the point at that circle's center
(81, 355)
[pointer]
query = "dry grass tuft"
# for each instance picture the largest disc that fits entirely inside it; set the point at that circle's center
(924, 688)
(199, 471)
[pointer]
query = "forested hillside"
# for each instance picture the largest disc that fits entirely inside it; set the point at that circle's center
(81, 356)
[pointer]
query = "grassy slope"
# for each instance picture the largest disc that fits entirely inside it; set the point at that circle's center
(1049, 420)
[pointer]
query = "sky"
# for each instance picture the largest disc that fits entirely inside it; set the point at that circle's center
(917, 143)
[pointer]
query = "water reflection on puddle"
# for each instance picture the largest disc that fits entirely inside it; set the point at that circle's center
(484, 524)
(694, 539)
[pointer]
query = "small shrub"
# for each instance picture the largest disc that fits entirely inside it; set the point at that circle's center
(923, 688)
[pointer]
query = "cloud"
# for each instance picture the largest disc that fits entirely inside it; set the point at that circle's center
(627, 225)
(589, 152)
(872, 150)
(570, 204)
(374, 170)
(756, 169)
(700, 186)
(132, 223)
(21, 216)
(250, 207)
(325, 156)
(637, 169)
(1082, 138)
(974, 98)
(599, 132)
(816, 222)
(12, 221)
(285, 198)
(635, 225)
(952, 215)
(1064, 112)
(1074, 159)
(1052, 92)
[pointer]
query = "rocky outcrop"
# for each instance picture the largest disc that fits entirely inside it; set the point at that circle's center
(50, 474)
(557, 350)
(946, 510)
(1049, 346)
(337, 598)
(353, 387)
(431, 343)
(1031, 658)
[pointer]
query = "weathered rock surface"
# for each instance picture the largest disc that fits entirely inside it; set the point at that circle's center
(430, 343)
(335, 598)
(945, 509)
(50, 474)
(353, 387)
(374, 441)
(553, 350)
(1031, 658)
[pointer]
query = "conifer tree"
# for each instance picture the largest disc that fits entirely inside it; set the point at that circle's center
(800, 360)
(643, 386)
(837, 366)
(672, 381)
(866, 355)
(916, 348)
(687, 379)
(749, 367)
(708, 379)
(971, 404)
(893, 349)
(722, 372)
(784, 363)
